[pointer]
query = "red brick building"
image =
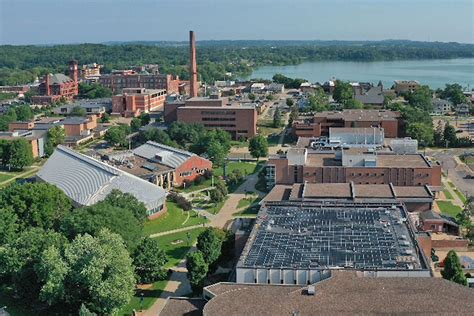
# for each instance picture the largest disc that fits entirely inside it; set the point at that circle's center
(134, 101)
(119, 80)
(58, 86)
(214, 112)
(162, 165)
(300, 165)
(319, 123)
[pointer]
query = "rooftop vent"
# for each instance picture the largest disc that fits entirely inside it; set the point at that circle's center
(311, 290)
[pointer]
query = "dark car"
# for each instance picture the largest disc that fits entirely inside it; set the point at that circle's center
(468, 176)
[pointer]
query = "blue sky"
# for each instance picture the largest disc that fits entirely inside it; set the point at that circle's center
(78, 21)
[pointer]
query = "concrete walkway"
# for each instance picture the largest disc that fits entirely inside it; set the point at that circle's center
(30, 172)
(456, 200)
(169, 232)
(178, 284)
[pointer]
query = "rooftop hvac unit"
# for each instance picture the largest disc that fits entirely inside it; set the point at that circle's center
(311, 290)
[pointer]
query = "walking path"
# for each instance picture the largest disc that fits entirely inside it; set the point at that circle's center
(27, 173)
(169, 232)
(456, 200)
(178, 284)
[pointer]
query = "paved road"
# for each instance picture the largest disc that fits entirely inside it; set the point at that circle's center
(454, 168)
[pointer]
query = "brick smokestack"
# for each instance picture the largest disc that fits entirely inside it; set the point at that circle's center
(47, 84)
(193, 80)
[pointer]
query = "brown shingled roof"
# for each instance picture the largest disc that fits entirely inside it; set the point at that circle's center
(345, 294)
(180, 306)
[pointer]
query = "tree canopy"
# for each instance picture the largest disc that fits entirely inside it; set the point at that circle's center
(258, 146)
(149, 260)
(36, 204)
(453, 270)
(209, 242)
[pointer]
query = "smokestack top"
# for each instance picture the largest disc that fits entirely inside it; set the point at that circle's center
(192, 65)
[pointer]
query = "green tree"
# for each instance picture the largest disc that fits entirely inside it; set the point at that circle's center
(56, 135)
(216, 196)
(36, 204)
(318, 101)
(421, 98)
(129, 202)
(422, 132)
(277, 117)
(149, 261)
(20, 260)
(197, 269)
(353, 104)
(269, 97)
(117, 135)
(8, 225)
(21, 154)
(216, 152)
(105, 118)
(209, 243)
(24, 113)
(220, 185)
(135, 124)
(145, 119)
(94, 271)
(453, 270)
(93, 218)
(78, 111)
(289, 102)
(258, 147)
(449, 135)
(343, 92)
(93, 91)
(454, 93)
(252, 97)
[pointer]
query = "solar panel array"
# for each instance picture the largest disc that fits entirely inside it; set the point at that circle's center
(357, 236)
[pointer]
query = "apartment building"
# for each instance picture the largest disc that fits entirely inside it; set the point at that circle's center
(122, 79)
(402, 86)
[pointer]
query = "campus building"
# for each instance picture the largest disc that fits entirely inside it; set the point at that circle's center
(358, 165)
(301, 243)
(36, 139)
(240, 120)
(318, 124)
(162, 165)
(122, 79)
(87, 181)
(58, 86)
(415, 198)
(134, 101)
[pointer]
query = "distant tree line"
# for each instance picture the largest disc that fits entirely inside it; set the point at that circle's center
(22, 64)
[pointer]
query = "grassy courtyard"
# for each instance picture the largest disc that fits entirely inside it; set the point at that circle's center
(175, 218)
(150, 295)
(449, 208)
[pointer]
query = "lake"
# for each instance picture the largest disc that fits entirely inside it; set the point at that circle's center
(435, 72)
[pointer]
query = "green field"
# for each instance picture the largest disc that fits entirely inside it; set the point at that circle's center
(5, 177)
(449, 208)
(461, 196)
(448, 195)
(175, 218)
(177, 245)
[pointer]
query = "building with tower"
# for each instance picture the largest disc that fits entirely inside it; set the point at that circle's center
(58, 86)
(193, 66)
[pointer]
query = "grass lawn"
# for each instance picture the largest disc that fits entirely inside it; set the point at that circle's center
(265, 127)
(208, 206)
(451, 184)
(175, 218)
(177, 245)
(239, 144)
(5, 177)
(461, 196)
(150, 295)
(246, 168)
(449, 208)
(247, 201)
(448, 194)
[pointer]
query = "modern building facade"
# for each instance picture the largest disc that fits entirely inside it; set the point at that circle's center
(318, 124)
(134, 101)
(240, 120)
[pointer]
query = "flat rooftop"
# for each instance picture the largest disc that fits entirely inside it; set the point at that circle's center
(388, 160)
(359, 115)
(300, 191)
(321, 235)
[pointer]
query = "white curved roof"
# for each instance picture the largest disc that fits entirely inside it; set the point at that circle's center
(87, 181)
(166, 155)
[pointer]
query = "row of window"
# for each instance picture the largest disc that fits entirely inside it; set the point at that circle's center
(218, 119)
(217, 112)
(219, 125)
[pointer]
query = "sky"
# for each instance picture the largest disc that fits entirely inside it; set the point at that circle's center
(96, 21)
